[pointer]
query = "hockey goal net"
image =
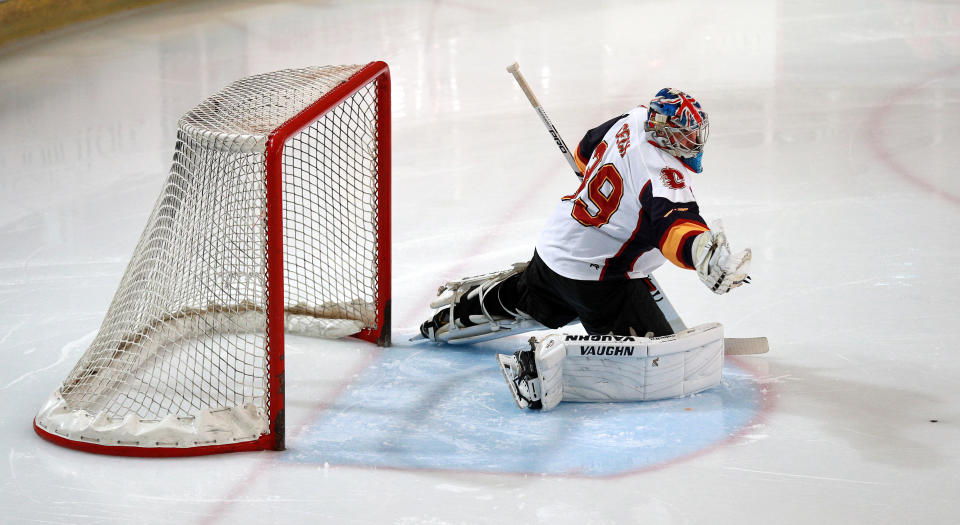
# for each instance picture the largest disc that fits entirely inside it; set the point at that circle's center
(275, 216)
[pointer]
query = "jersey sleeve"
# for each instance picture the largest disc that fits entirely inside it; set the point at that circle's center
(675, 220)
(590, 141)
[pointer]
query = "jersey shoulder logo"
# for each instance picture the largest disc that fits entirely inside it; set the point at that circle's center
(623, 139)
(672, 178)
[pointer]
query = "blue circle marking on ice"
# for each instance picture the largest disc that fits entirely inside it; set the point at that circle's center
(448, 408)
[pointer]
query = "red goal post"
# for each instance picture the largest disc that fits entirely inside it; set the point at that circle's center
(275, 217)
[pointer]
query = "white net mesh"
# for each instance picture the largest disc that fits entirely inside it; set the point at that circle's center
(181, 357)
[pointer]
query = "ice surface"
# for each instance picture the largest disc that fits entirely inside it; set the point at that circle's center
(831, 155)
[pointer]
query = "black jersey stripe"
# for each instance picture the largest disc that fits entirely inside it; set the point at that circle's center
(592, 138)
(619, 266)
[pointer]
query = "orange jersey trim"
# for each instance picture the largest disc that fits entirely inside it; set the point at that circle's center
(581, 163)
(673, 240)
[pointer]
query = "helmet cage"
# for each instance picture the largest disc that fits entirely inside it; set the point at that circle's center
(682, 141)
(678, 123)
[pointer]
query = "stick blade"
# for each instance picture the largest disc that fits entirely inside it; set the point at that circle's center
(745, 345)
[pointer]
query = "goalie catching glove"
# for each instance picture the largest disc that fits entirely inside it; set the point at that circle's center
(717, 268)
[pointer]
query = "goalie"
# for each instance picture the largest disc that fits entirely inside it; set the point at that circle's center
(634, 210)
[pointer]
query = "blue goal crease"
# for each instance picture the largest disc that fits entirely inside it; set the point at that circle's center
(447, 408)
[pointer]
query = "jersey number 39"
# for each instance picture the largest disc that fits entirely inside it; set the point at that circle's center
(601, 190)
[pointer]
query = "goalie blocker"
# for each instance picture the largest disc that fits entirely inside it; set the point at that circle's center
(603, 368)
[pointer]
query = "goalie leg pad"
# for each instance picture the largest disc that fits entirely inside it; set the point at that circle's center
(472, 311)
(620, 368)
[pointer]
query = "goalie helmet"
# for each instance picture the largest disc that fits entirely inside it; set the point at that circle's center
(678, 125)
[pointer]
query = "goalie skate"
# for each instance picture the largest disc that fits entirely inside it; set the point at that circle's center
(510, 368)
(535, 375)
(520, 372)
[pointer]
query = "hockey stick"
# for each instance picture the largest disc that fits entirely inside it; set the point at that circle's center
(514, 69)
(745, 345)
(732, 346)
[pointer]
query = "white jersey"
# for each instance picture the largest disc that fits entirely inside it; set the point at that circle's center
(634, 210)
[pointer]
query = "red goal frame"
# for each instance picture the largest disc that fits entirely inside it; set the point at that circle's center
(379, 73)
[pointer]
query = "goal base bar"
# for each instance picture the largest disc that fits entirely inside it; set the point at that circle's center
(263, 443)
